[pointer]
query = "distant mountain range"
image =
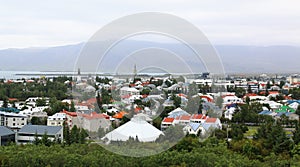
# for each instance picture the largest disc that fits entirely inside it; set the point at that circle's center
(236, 59)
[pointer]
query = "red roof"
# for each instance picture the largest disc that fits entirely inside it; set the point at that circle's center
(208, 98)
(137, 109)
(13, 99)
(125, 96)
(227, 95)
(91, 101)
(182, 95)
(211, 120)
(72, 114)
(184, 117)
(273, 92)
(120, 115)
(197, 116)
(250, 94)
(145, 83)
(94, 115)
(168, 120)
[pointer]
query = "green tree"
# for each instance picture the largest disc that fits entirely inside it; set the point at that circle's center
(72, 107)
(66, 133)
(296, 134)
(298, 110)
(240, 92)
(237, 131)
(82, 136)
(41, 102)
(75, 134)
(36, 141)
(176, 100)
(5, 103)
(45, 140)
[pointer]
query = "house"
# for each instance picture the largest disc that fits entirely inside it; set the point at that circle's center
(294, 105)
(6, 136)
(89, 89)
(128, 91)
(120, 115)
(198, 118)
(56, 119)
(285, 109)
(289, 115)
(232, 99)
(12, 120)
(35, 112)
(192, 128)
(93, 121)
(267, 112)
(229, 113)
(273, 105)
(177, 112)
(28, 133)
(182, 120)
(168, 102)
(213, 122)
(32, 100)
(71, 119)
(167, 122)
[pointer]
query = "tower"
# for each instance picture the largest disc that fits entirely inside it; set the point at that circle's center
(134, 71)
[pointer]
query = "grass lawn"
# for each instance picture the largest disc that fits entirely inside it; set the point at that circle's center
(252, 130)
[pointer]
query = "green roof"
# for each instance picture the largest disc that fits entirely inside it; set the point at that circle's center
(285, 109)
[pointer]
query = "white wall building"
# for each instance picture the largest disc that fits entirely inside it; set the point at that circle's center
(12, 120)
(124, 91)
(56, 119)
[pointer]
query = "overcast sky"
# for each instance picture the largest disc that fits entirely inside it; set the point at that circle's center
(36, 23)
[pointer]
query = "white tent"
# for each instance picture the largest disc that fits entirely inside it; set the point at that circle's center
(136, 127)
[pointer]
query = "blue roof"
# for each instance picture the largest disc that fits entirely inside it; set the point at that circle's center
(292, 101)
(283, 113)
(195, 126)
(265, 112)
(206, 126)
(4, 131)
(40, 129)
(9, 109)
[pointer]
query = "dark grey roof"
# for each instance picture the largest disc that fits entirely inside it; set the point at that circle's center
(4, 131)
(40, 129)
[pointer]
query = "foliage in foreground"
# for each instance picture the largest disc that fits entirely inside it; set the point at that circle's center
(212, 152)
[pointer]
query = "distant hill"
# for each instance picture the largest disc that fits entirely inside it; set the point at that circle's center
(236, 59)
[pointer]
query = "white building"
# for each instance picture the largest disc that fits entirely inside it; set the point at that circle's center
(32, 100)
(28, 133)
(229, 113)
(12, 120)
(125, 91)
(203, 82)
(56, 119)
(93, 121)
